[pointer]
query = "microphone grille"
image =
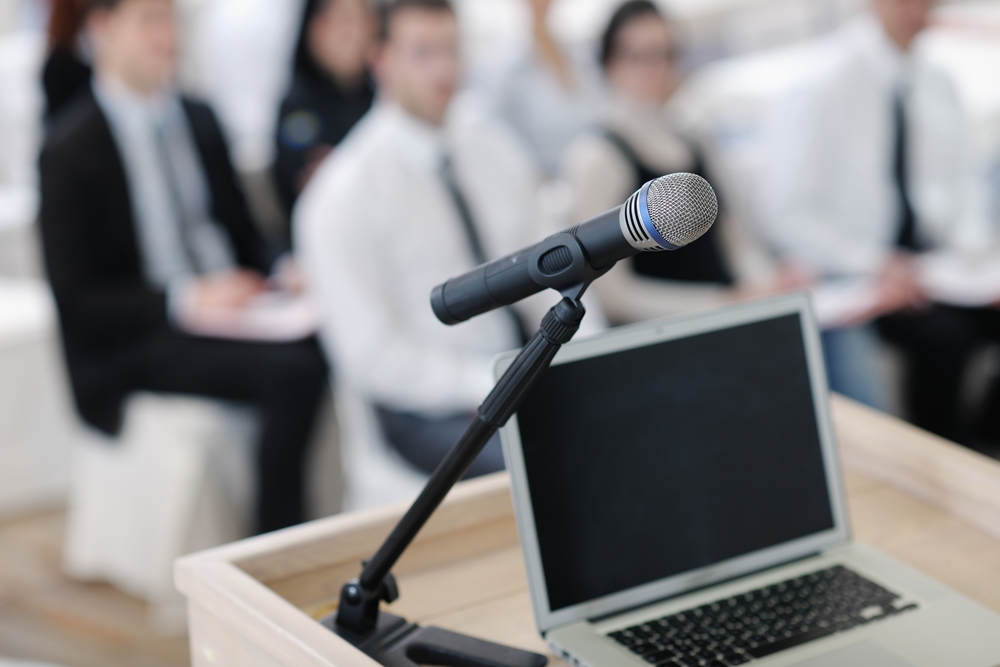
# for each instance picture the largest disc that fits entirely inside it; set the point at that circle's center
(682, 207)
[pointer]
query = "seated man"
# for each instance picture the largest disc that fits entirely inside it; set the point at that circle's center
(871, 168)
(411, 198)
(145, 231)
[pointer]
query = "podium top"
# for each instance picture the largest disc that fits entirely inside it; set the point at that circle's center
(921, 499)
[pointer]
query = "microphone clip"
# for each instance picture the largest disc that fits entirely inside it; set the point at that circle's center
(560, 262)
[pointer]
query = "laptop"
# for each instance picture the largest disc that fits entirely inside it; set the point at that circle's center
(680, 502)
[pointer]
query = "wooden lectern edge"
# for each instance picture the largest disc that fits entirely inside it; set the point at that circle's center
(941, 473)
(230, 583)
(254, 611)
(225, 581)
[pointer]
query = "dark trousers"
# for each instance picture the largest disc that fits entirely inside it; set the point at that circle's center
(284, 382)
(937, 345)
(424, 441)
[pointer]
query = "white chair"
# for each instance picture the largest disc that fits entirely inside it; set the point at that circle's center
(36, 422)
(178, 479)
(374, 474)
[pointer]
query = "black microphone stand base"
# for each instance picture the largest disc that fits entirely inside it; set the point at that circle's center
(396, 643)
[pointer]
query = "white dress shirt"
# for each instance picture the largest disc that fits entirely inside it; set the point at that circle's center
(829, 199)
(177, 239)
(376, 230)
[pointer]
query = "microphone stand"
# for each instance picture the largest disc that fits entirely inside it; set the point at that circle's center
(391, 640)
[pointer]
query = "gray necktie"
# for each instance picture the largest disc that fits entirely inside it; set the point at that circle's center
(177, 201)
(472, 236)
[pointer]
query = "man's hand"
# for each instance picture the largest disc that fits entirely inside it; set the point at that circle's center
(897, 288)
(230, 290)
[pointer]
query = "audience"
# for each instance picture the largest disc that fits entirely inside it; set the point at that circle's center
(417, 194)
(872, 167)
(545, 94)
(638, 141)
(145, 232)
(66, 73)
(331, 89)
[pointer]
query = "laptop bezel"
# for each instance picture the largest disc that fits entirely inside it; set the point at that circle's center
(651, 333)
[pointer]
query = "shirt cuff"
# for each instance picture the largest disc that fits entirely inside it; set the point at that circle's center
(182, 296)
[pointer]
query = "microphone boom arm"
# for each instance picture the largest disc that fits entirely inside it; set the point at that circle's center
(390, 640)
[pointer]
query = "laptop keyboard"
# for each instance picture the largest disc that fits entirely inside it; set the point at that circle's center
(756, 624)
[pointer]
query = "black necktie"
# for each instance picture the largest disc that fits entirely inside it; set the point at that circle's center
(907, 236)
(472, 235)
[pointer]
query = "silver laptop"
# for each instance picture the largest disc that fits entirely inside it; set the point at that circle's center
(680, 502)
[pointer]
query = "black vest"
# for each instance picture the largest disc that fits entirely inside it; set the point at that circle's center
(702, 261)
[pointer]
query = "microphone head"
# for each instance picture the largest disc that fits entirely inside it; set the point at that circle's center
(669, 212)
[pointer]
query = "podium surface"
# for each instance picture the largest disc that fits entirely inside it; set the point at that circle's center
(925, 501)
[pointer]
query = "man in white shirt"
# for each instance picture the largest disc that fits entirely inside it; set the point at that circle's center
(871, 166)
(413, 196)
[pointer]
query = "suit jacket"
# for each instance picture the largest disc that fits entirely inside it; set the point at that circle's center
(107, 308)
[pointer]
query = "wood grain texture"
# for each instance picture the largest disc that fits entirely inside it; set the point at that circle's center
(948, 476)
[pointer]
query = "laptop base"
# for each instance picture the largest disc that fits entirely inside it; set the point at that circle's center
(396, 643)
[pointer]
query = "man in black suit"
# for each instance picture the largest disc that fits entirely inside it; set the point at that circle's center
(145, 231)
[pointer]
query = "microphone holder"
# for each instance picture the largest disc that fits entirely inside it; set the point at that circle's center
(392, 641)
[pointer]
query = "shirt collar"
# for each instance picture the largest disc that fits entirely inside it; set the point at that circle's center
(420, 143)
(892, 62)
(120, 100)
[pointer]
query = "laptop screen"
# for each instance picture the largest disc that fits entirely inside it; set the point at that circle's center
(653, 461)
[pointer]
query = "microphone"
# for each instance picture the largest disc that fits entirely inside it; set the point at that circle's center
(666, 213)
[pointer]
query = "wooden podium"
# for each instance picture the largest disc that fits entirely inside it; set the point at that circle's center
(925, 501)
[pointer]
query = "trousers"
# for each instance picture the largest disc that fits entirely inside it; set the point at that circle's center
(424, 441)
(284, 382)
(937, 345)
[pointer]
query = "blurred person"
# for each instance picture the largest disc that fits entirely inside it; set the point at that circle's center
(639, 140)
(415, 195)
(145, 234)
(545, 94)
(871, 167)
(66, 72)
(331, 89)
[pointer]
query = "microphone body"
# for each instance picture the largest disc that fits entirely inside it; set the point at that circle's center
(665, 214)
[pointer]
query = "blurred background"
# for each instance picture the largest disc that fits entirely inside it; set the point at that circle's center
(87, 532)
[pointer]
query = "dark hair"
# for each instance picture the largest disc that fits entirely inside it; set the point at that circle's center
(102, 4)
(625, 14)
(67, 18)
(65, 23)
(389, 9)
(304, 61)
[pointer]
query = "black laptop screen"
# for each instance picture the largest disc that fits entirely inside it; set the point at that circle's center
(658, 460)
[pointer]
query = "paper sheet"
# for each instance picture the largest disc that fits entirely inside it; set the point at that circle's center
(949, 278)
(841, 303)
(960, 280)
(271, 317)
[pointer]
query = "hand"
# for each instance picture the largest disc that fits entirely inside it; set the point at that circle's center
(229, 290)
(790, 277)
(288, 276)
(897, 287)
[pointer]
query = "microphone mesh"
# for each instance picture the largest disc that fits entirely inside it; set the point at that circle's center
(682, 207)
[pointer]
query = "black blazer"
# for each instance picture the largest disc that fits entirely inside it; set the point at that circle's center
(106, 307)
(64, 78)
(315, 114)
